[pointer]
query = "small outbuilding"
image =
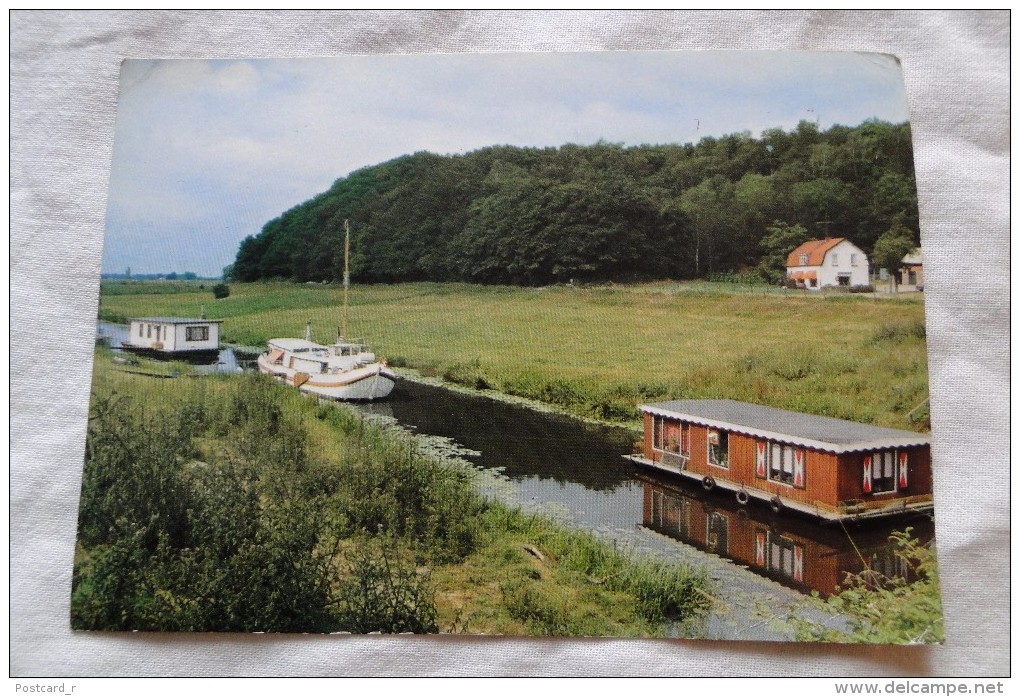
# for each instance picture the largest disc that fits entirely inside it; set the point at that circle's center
(832, 262)
(828, 468)
(174, 336)
(912, 271)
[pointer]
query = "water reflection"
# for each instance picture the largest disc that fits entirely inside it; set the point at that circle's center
(523, 442)
(798, 553)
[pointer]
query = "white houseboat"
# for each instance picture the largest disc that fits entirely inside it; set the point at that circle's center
(174, 337)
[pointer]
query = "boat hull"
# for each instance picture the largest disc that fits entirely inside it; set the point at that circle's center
(366, 384)
(200, 356)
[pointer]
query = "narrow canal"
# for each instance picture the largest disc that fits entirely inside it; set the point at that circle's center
(576, 472)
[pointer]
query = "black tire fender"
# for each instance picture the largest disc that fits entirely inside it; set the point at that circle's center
(742, 497)
(776, 503)
(707, 483)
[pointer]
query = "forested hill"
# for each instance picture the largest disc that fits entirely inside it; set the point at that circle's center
(594, 213)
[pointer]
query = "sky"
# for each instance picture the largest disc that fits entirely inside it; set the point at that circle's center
(206, 152)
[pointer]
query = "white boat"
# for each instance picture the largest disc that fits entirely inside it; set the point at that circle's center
(346, 370)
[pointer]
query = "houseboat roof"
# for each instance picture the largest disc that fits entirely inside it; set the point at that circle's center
(176, 320)
(819, 432)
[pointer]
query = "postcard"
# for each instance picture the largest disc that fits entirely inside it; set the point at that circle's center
(619, 344)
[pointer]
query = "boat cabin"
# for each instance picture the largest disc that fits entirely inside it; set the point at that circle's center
(825, 467)
(308, 357)
(174, 335)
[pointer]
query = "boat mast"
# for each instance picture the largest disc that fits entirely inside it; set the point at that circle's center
(347, 271)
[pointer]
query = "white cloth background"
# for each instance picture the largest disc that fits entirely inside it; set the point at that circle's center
(64, 71)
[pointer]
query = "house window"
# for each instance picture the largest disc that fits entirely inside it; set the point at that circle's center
(803, 259)
(835, 260)
(853, 260)
(196, 334)
(880, 477)
(718, 448)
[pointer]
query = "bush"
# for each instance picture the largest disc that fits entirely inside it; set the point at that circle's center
(884, 610)
(900, 332)
(868, 288)
(220, 291)
(383, 591)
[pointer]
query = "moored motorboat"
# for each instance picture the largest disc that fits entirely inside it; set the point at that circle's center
(345, 370)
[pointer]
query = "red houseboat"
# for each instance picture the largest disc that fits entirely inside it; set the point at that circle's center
(824, 467)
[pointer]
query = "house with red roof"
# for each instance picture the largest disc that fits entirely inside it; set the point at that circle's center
(834, 261)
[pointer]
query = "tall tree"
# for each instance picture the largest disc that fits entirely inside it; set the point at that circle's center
(891, 247)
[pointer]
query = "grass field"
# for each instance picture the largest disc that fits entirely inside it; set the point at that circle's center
(600, 351)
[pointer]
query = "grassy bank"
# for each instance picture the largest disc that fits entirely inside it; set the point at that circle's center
(231, 503)
(600, 351)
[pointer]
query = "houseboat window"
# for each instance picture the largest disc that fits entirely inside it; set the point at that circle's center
(196, 334)
(685, 440)
(141, 330)
(718, 448)
(148, 331)
(672, 436)
(783, 463)
(883, 472)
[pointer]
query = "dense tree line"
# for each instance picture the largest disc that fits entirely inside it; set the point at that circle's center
(602, 212)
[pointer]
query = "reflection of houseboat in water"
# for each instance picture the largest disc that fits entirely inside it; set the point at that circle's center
(828, 468)
(790, 550)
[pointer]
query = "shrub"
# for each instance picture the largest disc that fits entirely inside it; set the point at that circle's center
(868, 288)
(383, 591)
(526, 602)
(899, 332)
(220, 290)
(884, 610)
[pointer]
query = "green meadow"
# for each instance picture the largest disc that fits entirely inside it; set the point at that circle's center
(599, 351)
